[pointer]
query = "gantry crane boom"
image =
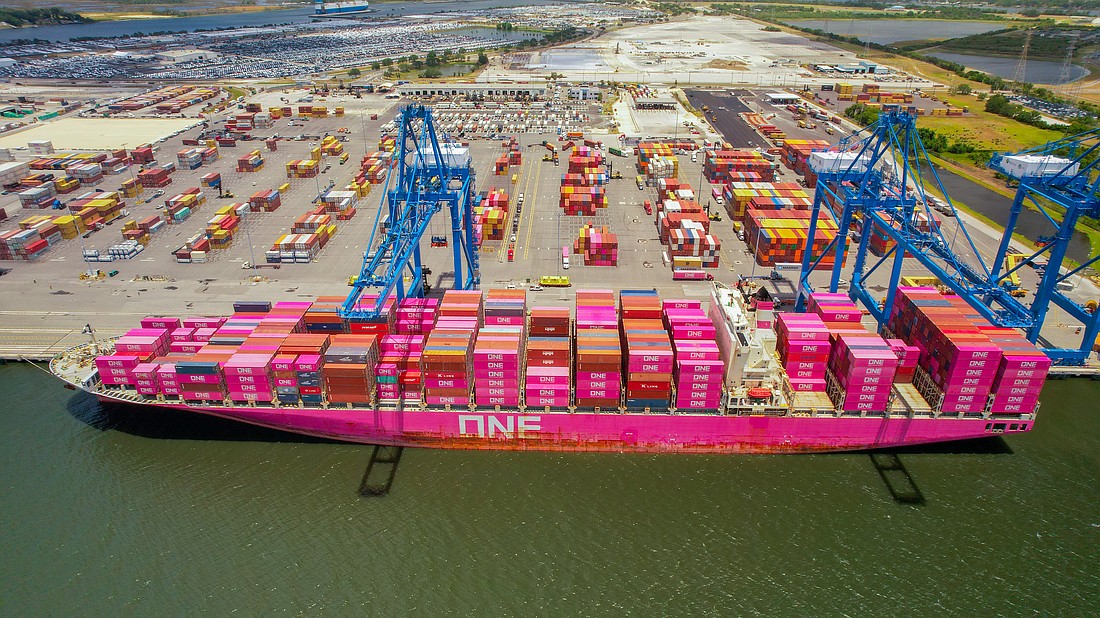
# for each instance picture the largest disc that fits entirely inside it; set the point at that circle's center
(426, 176)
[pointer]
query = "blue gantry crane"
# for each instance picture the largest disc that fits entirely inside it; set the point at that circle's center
(878, 181)
(1057, 176)
(427, 176)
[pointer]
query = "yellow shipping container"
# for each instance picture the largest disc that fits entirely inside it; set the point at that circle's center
(283, 188)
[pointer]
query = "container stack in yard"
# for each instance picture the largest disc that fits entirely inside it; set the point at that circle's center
(153, 178)
(251, 162)
(142, 154)
(302, 168)
(739, 196)
(780, 236)
(267, 200)
(684, 228)
(212, 180)
(597, 246)
(582, 187)
(373, 169)
(330, 146)
(722, 166)
(340, 203)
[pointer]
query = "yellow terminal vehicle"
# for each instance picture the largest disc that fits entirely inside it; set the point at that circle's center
(554, 281)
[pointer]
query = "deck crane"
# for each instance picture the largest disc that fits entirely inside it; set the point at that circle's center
(426, 177)
(880, 180)
(1062, 174)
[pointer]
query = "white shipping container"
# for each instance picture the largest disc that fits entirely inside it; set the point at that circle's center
(837, 162)
(1021, 166)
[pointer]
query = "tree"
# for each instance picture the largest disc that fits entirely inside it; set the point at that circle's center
(387, 62)
(431, 73)
(482, 59)
(431, 59)
(354, 72)
(375, 65)
(963, 89)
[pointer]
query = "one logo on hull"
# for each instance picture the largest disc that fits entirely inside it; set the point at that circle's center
(496, 425)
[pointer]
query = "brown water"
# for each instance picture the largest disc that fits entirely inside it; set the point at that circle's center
(129, 511)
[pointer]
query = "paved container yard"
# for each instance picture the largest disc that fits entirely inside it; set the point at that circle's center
(50, 304)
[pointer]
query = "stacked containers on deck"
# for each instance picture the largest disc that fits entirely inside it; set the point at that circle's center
(146, 380)
(349, 368)
(398, 370)
(249, 378)
(200, 381)
(648, 359)
(499, 351)
(598, 351)
(448, 351)
(380, 326)
(961, 360)
(864, 367)
(548, 360)
(416, 316)
(908, 358)
(304, 354)
(1020, 374)
(698, 366)
(803, 343)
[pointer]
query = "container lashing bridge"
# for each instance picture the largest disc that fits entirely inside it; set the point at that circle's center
(878, 178)
(426, 177)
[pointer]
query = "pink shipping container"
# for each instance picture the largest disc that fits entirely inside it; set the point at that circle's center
(553, 402)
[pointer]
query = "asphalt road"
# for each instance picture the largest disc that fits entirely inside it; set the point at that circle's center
(726, 110)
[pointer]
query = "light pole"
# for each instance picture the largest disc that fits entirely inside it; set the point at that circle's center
(756, 247)
(251, 253)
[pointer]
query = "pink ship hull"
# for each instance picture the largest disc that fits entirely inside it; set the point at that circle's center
(537, 431)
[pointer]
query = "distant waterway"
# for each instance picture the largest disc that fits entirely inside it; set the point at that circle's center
(123, 511)
(249, 19)
(996, 207)
(1035, 71)
(887, 31)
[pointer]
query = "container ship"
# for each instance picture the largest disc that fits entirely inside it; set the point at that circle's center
(622, 371)
(321, 8)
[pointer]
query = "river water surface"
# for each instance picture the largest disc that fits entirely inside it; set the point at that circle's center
(112, 512)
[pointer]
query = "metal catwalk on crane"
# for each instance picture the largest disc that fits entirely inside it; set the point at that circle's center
(877, 181)
(425, 177)
(1057, 176)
